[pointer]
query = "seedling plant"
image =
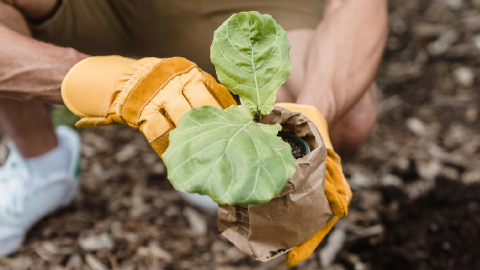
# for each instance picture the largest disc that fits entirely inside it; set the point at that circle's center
(226, 154)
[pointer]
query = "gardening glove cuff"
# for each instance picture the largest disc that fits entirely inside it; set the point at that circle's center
(314, 115)
(150, 94)
(337, 189)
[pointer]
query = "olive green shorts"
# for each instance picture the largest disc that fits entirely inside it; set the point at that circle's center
(161, 28)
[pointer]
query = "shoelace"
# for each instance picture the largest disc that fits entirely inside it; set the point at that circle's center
(13, 185)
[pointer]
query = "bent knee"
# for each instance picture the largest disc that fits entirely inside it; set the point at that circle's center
(13, 19)
(354, 129)
(33, 10)
(351, 131)
(362, 116)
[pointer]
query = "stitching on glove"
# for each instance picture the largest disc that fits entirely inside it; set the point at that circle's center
(161, 136)
(209, 80)
(158, 90)
(186, 99)
(101, 115)
(212, 93)
(167, 117)
(128, 82)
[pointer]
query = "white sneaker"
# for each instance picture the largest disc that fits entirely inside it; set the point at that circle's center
(23, 201)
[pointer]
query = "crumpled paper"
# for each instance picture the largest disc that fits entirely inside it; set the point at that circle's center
(266, 231)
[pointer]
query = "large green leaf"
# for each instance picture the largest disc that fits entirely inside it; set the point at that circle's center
(227, 156)
(250, 54)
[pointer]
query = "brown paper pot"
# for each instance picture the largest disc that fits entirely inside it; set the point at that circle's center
(265, 231)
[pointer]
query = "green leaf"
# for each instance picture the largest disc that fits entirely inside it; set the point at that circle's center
(250, 54)
(227, 156)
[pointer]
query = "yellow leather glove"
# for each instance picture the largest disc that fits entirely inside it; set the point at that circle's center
(150, 94)
(337, 189)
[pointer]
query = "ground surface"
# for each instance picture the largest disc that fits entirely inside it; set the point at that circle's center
(416, 182)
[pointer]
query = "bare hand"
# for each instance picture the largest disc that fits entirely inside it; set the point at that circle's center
(344, 55)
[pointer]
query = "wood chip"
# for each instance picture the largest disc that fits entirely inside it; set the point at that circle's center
(198, 225)
(94, 263)
(19, 263)
(233, 255)
(159, 253)
(127, 153)
(96, 242)
(415, 125)
(74, 262)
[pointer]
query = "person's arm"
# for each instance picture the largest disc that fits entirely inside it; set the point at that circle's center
(344, 55)
(31, 69)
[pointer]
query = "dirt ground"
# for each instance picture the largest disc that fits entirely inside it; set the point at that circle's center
(416, 181)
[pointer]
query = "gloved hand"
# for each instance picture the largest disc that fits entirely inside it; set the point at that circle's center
(337, 189)
(150, 94)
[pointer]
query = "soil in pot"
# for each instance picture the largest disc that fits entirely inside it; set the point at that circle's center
(299, 146)
(297, 150)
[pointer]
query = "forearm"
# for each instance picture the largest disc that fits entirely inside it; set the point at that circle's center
(31, 69)
(344, 55)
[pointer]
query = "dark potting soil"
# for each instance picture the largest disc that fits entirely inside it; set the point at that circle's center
(297, 150)
(438, 231)
(256, 117)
